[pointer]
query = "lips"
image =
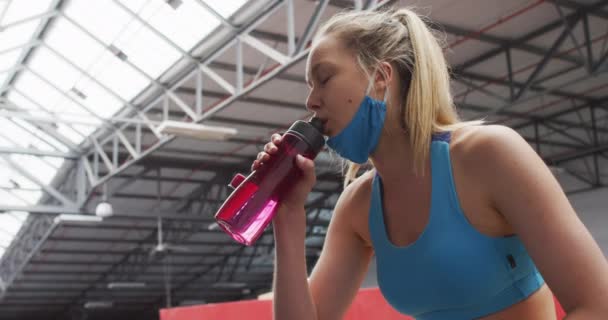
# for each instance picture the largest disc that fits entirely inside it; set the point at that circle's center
(324, 121)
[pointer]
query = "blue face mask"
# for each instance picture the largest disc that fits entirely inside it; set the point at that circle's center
(360, 137)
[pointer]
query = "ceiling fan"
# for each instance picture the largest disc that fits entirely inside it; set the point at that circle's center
(162, 248)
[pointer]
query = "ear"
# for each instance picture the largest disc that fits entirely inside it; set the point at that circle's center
(383, 78)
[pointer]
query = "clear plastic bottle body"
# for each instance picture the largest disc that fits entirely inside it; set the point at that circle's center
(253, 204)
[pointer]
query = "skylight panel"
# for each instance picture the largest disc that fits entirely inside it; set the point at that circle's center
(8, 61)
(53, 162)
(5, 235)
(102, 102)
(28, 196)
(37, 90)
(185, 26)
(72, 135)
(10, 177)
(85, 130)
(35, 137)
(146, 50)
(5, 143)
(75, 84)
(54, 69)
(35, 110)
(225, 8)
(15, 134)
(19, 10)
(17, 35)
(118, 77)
(74, 45)
(10, 222)
(20, 101)
(3, 7)
(130, 38)
(95, 15)
(70, 108)
(44, 171)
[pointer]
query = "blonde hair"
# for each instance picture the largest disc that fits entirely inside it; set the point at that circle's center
(401, 38)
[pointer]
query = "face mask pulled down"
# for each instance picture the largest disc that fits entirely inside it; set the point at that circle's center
(360, 137)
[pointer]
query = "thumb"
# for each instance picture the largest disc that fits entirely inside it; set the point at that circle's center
(307, 166)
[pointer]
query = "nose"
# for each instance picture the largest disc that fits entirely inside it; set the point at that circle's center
(313, 102)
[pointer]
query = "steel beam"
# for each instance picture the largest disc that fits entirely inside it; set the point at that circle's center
(243, 34)
(54, 7)
(38, 152)
(48, 189)
(545, 60)
(598, 11)
(20, 253)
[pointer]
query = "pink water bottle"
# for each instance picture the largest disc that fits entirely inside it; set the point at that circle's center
(254, 201)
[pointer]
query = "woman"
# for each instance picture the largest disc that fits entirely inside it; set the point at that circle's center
(465, 219)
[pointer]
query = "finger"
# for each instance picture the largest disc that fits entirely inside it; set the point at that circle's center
(267, 147)
(255, 165)
(270, 148)
(307, 166)
(276, 138)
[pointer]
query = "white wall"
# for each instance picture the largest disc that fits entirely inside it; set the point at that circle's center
(591, 207)
(370, 279)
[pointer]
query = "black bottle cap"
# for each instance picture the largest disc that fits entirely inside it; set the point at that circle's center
(311, 131)
(317, 123)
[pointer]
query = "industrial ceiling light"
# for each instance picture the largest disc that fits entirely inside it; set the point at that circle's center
(104, 208)
(78, 93)
(126, 285)
(196, 130)
(229, 285)
(174, 3)
(118, 53)
(77, 218)
(191, 302)
(98, 304)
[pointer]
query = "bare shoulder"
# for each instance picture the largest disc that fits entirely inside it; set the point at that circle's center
(482, 160)
(477, 148)
(356, 192)
(474, 141)
(353, 206)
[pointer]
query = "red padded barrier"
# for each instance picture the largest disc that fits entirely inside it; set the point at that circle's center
(561, 314)
(368, 304)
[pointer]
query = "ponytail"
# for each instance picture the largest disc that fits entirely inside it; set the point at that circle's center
(403, 39)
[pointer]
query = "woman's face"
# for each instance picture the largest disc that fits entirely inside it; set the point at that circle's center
(337, 85)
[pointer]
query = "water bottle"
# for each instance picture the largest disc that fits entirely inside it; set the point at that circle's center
(255, 198)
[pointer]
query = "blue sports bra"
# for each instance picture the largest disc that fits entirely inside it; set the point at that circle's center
(452, 271)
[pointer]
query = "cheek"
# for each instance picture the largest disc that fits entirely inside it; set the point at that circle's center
(342, 100)
(346, 111)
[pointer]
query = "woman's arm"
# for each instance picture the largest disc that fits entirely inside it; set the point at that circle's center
(338, 273)
(525, 192)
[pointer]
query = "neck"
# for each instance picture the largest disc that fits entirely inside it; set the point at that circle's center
(393, 158)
